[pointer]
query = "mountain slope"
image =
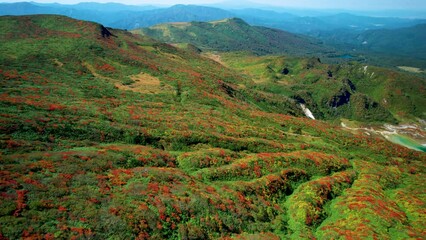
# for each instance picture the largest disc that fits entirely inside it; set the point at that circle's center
(109, 135)
(234, 35)
(404, 41)
(332, 91)
(386, 47)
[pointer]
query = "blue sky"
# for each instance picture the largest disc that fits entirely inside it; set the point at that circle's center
(323, 4)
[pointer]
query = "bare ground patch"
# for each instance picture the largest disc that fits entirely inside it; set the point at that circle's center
(145, 83)
(215, 57)
(411, 69)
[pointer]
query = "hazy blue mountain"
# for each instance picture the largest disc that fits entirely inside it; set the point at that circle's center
(408, 41)
(119, 15)
(405, 41)
(345, 20)
(400, 13)
(232, 5)
(312, 25)
(264, 14)
(267, 18)
(105, 14)
(177, 13)
(104, 7)
(263, 17)
(131, 17)
(25, 8)
(385, 47)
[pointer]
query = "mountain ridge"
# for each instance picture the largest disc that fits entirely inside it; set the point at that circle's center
(234, 34)
(329, 26)
(176, 13)
(294, 23)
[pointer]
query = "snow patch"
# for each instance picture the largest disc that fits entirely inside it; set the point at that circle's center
(307, 112)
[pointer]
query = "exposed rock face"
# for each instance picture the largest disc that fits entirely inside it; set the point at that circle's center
(349, 84)
(341, 98)
(299, 99)
(105, 32)
(228, 89)
(312, 62)
(194, 49)
(305, 98)
(285, 71)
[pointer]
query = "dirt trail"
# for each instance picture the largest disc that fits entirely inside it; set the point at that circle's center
(215, 57)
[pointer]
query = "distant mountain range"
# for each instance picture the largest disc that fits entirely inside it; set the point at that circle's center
(105, 13)
(177, 13)
(131, 17)
(343, 31)
(105, 7)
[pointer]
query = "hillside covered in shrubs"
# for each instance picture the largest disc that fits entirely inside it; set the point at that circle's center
(109, 135)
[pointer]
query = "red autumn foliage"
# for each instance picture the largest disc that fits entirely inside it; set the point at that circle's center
(20, 202)
(106, 67)
(54, 107)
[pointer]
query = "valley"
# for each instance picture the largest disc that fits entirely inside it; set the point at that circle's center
(203, 130)
(410, 136)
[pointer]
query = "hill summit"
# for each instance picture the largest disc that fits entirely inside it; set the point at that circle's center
(234, 34)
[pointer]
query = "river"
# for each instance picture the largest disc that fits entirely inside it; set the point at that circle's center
(406, 142)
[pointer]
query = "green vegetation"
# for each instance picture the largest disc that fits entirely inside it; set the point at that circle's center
(381, 95)
(391, 48)
(109, 135)
(351, 90)
(234, 35)
(406, 42)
